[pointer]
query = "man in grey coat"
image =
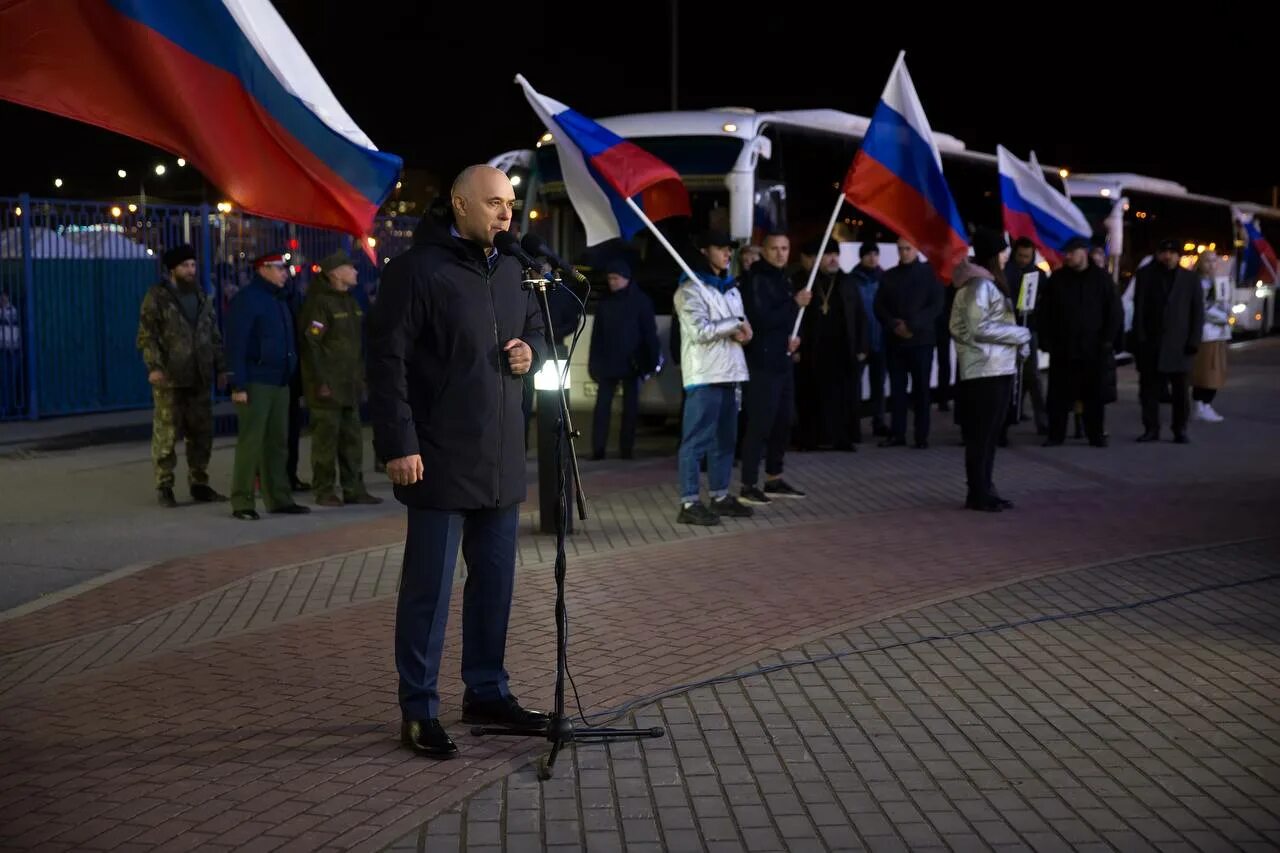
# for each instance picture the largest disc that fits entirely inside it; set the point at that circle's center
(1168, 313)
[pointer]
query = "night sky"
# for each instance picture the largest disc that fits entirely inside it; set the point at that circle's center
(436, 87)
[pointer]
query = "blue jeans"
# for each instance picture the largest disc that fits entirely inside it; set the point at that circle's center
(711, 430)
(488, 539)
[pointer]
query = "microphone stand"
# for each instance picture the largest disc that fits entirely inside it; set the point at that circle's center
(560, 729)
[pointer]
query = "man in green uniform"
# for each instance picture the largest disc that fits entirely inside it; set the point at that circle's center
(182, 348)
(333, 381)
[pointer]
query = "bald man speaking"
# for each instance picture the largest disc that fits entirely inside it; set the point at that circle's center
(450, 337)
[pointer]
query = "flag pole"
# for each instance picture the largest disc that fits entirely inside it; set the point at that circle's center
(683, 264)
(813, 271)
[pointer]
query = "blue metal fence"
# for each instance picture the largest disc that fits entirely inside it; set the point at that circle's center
(73, 274)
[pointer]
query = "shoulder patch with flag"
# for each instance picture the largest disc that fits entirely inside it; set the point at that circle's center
(601, 169)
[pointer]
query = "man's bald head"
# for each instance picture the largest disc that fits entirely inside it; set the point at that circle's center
(482, 199)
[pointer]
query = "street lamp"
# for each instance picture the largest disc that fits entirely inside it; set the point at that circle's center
(159, 168)
(115, 212)
(57, 182)
(1063, 173)
(122, 173)
(181, 162)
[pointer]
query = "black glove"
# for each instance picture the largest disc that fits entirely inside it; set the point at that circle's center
(1190, 349)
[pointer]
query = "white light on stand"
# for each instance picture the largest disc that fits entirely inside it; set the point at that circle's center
(548, 377)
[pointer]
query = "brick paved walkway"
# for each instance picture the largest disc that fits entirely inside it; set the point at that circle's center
(246, 699)
(1153, 727)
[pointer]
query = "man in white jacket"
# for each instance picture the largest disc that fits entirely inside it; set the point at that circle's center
(713, 330)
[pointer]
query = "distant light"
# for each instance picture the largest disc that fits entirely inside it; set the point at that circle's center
(151, 251)
(122, 173)
(533, 214)
(288, 256)
(115, 211)
(1105, 192)
(399, 184)
(57, 182)
(386, 260)
(1188, 247)
(1063, 173)
(1260, 292)
(1126, 206)
(133, 208)
(1239, 308)
(546, 137)
(17, 211)
(1200, 249)
(1213, 247)
(181, 162)
(515, 180)
(1257, 316)
(159, 168)
(224, 207)
(372, 241)
(730, 127)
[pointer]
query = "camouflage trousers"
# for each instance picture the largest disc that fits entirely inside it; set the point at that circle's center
(336, 433)
(185, 413)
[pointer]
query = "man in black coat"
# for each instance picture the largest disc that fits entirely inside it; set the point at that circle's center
(624, 348)
(907, 305)
(1168, 318)
(1022, 263)
(1077, 315)
(450, 339)
(771, 305)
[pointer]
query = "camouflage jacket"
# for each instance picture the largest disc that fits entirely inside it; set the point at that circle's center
(190, 355)
(331, 326)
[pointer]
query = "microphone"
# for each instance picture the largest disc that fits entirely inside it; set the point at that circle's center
(535, 245)
(507, 244)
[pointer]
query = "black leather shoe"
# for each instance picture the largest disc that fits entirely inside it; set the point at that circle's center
(893, 442)
(291, 509)
(921, 445)
(164, 497)
(1181, 438)
(245, 515)
(987, 505)
(1148, 437)
(501, 712)
(1001, 502)
(205, 495)
(428, 737)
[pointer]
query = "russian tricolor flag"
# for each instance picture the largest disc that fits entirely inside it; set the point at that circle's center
(601, 170)
(1035, 210)
(1260, 262)
(897, 177)
(223, 83)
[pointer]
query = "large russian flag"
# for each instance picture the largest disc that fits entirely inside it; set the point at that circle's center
(897, 177)
(601, 170)
(1035, 210)
(223, 83)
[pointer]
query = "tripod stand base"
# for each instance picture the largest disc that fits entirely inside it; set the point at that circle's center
(561, 731)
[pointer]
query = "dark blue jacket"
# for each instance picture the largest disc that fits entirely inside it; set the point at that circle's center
(261, 346)
(624, 337)
(769, 301)
(440, 385)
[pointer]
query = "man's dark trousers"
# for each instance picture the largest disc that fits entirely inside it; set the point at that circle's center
(488, 540)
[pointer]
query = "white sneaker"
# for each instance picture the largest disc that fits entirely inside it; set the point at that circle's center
(1208, 413)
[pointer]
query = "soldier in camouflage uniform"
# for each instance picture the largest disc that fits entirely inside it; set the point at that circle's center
(182, 349)
(331, 325)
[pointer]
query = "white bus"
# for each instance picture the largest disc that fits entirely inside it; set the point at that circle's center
(747, 173)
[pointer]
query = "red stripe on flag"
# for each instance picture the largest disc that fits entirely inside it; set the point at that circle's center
(630, 169)
(1019, 225)
(71, 57)
(898, 205)
(664, 200)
